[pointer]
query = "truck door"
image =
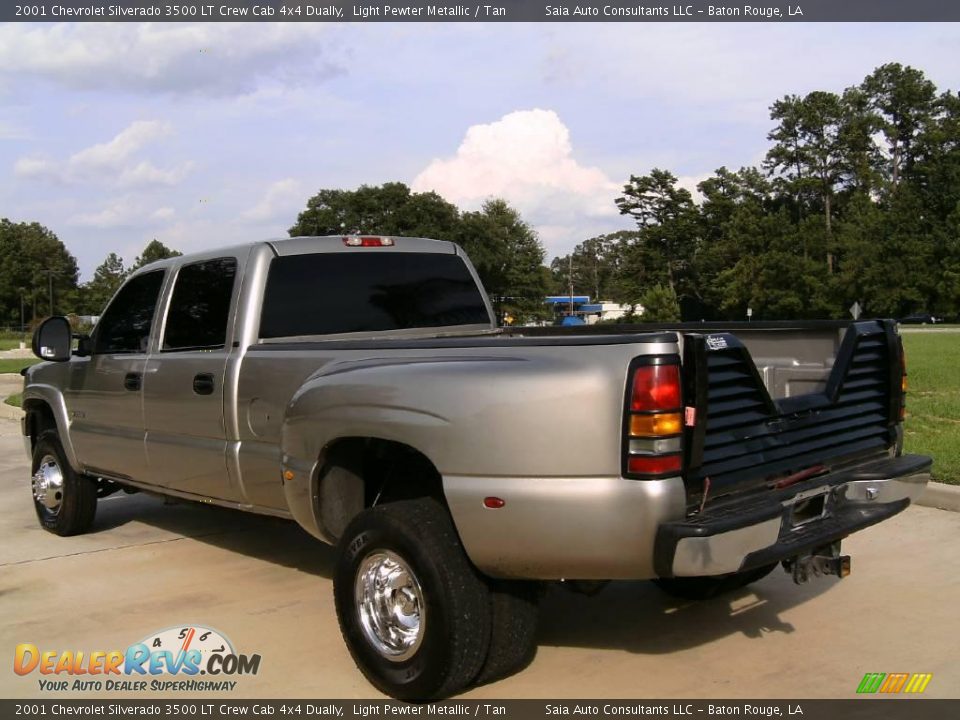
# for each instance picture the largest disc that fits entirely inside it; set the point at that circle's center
(183, 382)
(104, 391)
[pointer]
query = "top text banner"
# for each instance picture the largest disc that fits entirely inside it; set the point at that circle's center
(498, 11)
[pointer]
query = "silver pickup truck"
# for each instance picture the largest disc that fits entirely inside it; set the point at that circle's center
(360, 386)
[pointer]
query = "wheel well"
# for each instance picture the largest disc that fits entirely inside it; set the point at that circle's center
(358, 473)
(39, 418)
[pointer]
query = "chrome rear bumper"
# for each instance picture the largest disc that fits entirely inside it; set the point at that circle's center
(785, 523)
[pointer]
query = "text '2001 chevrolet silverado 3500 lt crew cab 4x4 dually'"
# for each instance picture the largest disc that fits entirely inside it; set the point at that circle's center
(360, 386)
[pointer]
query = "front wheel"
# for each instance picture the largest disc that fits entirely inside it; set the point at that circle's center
(415, 614)
(65, 502)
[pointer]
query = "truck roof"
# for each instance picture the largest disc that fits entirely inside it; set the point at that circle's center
(302, 245)
(335, 243)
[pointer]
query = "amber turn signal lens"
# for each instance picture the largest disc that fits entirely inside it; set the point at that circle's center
(658, 424)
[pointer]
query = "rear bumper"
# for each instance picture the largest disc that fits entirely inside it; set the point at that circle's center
(749, 533)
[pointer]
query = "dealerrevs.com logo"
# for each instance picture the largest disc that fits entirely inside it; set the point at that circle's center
(185, 652)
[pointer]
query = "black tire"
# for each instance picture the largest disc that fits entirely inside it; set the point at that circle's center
(447, 595)
(76, 495)
(708, 586)
(514, 608)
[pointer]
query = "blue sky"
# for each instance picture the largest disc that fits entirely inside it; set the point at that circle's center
(212, 134)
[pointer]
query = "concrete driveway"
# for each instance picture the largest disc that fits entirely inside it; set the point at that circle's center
(266, 585)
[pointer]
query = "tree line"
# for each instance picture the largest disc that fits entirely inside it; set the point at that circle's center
(857, 200)
(39, 276)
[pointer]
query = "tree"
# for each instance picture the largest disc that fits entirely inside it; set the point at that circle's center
(106, 280)
(821, 143)
(666, 220)
(660, 304)
(35, 269)
(591, 268)
(509, 258)
(904, 101)
(155, 250)
(390, 209)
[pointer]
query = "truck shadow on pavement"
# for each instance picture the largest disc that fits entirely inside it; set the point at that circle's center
(633, 616)
(274, 540)
(638, 617)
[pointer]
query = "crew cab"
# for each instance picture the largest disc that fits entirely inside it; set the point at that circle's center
(360, 387)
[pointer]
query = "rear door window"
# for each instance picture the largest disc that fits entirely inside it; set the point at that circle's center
(200, 305)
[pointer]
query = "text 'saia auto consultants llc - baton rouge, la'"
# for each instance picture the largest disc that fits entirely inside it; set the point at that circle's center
(193, 651)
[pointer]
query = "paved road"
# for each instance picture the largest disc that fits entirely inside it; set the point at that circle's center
(266, 585)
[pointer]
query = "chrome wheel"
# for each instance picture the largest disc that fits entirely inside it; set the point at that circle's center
(390, 605)
(47, 484)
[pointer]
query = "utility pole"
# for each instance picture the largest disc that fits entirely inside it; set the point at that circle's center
(23, 324)
(570, 282)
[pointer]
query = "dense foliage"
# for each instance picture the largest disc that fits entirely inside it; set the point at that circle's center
(858, 199)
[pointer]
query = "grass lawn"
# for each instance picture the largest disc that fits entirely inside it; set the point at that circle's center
(933, 401)
(15, 400)
(15, 365)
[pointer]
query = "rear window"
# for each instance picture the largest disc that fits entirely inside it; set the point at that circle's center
(348, 292)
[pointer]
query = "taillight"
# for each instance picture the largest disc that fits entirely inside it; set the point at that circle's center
(367, 241)
(654, 422)
(903, 382)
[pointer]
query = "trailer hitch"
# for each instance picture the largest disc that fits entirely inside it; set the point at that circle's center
(824, 560)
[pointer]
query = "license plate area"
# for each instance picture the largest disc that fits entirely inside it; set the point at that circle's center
(807, 507)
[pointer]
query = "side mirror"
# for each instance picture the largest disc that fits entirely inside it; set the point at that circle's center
(52, 340)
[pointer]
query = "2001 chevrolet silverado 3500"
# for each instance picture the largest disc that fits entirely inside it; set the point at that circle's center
(360, 386)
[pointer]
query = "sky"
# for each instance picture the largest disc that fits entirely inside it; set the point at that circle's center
(212, 134)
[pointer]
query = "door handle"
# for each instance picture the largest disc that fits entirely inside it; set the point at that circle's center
(203, 384)
(132, 381)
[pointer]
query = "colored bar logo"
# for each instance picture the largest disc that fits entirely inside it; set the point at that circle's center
(894, 683)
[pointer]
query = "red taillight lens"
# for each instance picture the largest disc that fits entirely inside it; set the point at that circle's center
(652, 465)
(654, 422)
(903, 383)
(353, 241)
(655, 387)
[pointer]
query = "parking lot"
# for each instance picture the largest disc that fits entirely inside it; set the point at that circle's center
(266, 585)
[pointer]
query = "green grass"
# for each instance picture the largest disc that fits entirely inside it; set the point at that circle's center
(16, 400)
(15, 365)
(932, 426)
(10, 339)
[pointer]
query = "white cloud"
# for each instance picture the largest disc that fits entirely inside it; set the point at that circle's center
(111, 154)
(126, 211)
(283, 198)
(111, 162)
(212, 58)
(146, 173)
(527, 158)
(162, 214)
(35, 167)
(12, 132)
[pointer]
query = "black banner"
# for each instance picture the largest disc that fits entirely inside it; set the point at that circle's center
(874, 709)
(502, 11)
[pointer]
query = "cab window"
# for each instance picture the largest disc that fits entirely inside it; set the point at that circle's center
(200, 306)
